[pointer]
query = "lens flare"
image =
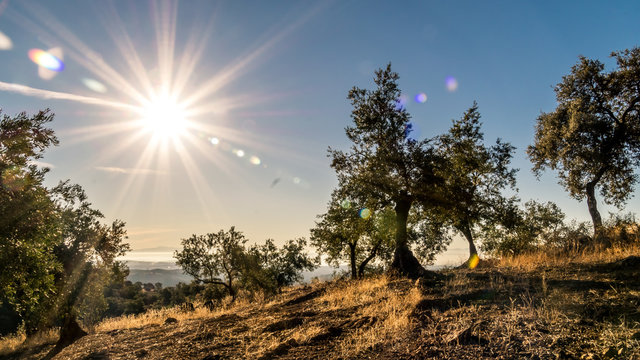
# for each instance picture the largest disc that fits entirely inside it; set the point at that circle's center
(5, 42)
(94, 85)
(345, 203)
(451, 83)
(214, 141)
(364, 213)
(46, 60)
(297, 180)
(473, 261)
(255, 160)
(239, 153)
(421, 98)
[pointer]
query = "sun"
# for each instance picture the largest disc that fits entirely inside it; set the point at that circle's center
(164, 117)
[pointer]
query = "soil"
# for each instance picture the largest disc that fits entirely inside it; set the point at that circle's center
(579, 311)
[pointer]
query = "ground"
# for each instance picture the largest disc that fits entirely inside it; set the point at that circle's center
(570, 310)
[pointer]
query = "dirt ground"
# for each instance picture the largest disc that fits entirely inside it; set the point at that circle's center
(577, 311)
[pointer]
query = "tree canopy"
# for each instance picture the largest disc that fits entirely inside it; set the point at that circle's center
(222, 258)
(476, 176)
(354, 232)
(53, 246)
(385, 164)
(209, 257)
(592, 138)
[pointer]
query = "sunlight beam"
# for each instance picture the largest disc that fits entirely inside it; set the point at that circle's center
(48, 94)
(164, 19)
(230, 73)
(77, 49)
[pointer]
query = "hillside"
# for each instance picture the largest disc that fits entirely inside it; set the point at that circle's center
(567, 309)
(170, 277)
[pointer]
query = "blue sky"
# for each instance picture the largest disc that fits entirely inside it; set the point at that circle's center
(284, 69)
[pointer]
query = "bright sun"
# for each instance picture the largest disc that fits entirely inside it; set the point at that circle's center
(164, 117)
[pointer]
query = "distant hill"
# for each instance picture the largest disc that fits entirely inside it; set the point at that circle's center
(169, 274)
(164, 276)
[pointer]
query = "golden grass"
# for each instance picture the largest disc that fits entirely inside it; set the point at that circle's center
(545, 258)
(17, 342)
(158, 316)
(381, 298)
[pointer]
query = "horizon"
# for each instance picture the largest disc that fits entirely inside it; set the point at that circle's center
(261, 92)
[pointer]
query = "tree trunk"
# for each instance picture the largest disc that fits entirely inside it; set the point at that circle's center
(69, 333)
(404, 262)
(466, 231)
(593, 209)
(364, 262)
(352, 258)
(232, 292)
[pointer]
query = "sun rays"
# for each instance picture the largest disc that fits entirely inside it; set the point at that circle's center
(165, 106)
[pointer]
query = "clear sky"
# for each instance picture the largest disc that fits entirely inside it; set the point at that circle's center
(261, 87)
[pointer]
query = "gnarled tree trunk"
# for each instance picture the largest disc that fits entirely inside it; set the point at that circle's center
(593, 209)
(364, 262)
(404, 262)
(465, 229)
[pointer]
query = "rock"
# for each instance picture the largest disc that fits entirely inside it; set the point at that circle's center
(141, 353)
(170, 320)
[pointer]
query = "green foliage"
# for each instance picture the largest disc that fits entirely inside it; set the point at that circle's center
(54, 250)
(347, 232)
(475, 177)
(271, 268)
(386, 166)
(592, 138)
(87, 251)
(208, 257)
(29, 225)
(535, 225)
(223, 259)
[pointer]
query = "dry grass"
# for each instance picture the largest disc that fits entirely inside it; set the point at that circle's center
(18, 342)
(544, 306)
(545, 258)
(158, 316)
(390, 302)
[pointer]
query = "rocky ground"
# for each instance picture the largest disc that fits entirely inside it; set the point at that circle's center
(575, 311)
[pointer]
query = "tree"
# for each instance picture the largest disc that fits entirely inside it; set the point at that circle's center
(475, 177)
(52, 245)
(208, 257)
(29, 226)
(385, 165)
(352, 232)
(272, 268)
(592, 138)
(537, 224)
(87, 250)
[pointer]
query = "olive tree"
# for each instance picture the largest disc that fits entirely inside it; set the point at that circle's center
(476, 176)
(385, 164)
(350, 231)
(214, 258)
(592, 138)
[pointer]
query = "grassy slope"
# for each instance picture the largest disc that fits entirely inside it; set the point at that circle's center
(532, 307)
